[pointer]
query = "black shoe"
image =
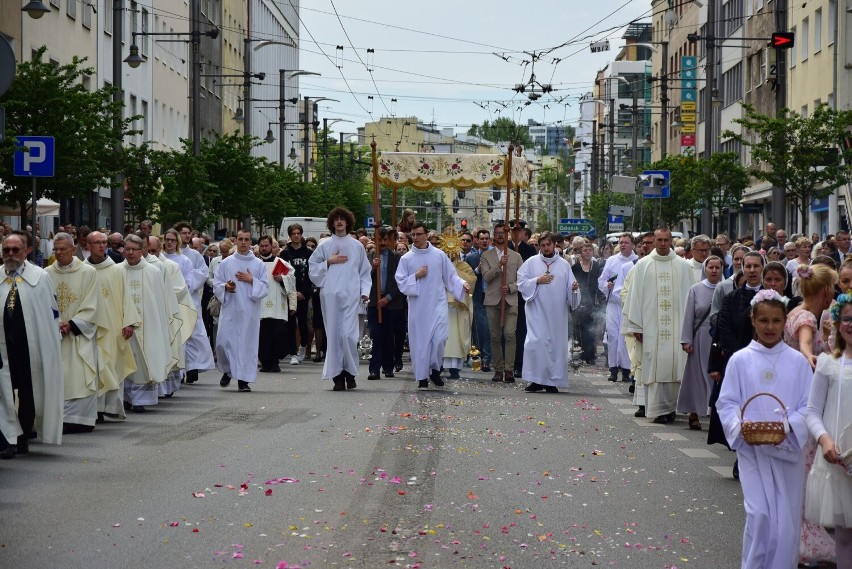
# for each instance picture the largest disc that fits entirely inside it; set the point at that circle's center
(632, 388)
(388, 374)
(339, 383)
(640, 412)
(423, 385)
(138, 408)
(192, 376)
(454, 374)
(350, 381)
(225, 381)
(127, 405)
(7, 453)
(100, 420)
(375, 376)
(486, 368)
(436, 378)
(736, 469)
(397, 366)
(243, 386)
(319, 357)
(550, 389)
(76, 428)
(509, 377)
(23, 446)
(613, 374)
(662, 420)
(625, 375)
(271, 369)
(533, 387)
(498, 376)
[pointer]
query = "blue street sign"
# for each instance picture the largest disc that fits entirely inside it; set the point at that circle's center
(614, 219)
(656, 185)
(579, 226)
(39, 160)
(370, 223)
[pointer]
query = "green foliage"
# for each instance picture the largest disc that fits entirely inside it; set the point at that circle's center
(797, 153)
(48, 100)
(723, 181)
(502, 129)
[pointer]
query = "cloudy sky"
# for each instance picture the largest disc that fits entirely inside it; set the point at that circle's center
(454, 62)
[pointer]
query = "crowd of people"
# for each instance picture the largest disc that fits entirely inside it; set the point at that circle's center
(743, 335)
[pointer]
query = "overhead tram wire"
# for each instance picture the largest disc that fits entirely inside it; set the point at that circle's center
(370, 71)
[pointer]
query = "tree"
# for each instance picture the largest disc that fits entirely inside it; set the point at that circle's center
(48, 100)
(502, 129)
(798, 153)
(722, 184)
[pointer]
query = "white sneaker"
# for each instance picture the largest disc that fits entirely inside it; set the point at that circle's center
(301, 354)
(294, 361)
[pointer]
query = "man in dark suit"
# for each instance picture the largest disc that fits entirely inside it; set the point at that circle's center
(116, 246)
(519, 243)
(841, 241)
(391, 302)
(481, 337)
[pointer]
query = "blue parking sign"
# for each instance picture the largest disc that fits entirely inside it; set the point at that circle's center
(35, 156)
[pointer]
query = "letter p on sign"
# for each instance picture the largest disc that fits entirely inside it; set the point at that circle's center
(35, 156)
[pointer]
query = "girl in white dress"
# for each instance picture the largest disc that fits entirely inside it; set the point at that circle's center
(772, 476)
(828, 500)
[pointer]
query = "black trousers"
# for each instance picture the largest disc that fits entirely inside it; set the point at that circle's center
(384, 338)
(587, 327)
(273, 333)
(18, 352)
(520, 335)
(300, 321)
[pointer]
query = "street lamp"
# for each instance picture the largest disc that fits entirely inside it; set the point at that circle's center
(325, 123)
(307, 141)
(282, 74)
(35, 9)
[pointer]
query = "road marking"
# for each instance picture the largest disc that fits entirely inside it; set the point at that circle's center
(698, 453)
(670, 437)
(620, 401)
(610, 391)
(726, 471)
(628, 410)
(603, 383)
(644, 422)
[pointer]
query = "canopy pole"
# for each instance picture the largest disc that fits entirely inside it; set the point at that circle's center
(508, 200)
(393, 219)
(376, 220)
(519, 150)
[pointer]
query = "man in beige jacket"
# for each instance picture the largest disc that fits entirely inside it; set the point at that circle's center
(493, 265)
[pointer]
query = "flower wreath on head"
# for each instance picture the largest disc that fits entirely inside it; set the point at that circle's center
(805, 272)
(844, 299)
(768, 294)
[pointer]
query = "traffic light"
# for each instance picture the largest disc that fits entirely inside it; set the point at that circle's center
(455, 206)
(464, 224)
(490, 206)
(782, 40)
(460, 194)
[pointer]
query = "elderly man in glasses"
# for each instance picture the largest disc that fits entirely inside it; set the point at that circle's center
(30, 351)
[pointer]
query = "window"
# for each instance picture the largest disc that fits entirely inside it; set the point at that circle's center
(71, 8)
(749, 73)
(732, 16)
(763, 54)
(87, 15)
(87, 82)
(144, 40)
(732, 85)
(54, 3)
(759, 5)
(144, 121)
(108, 13)
(804, 39)
(817, 31)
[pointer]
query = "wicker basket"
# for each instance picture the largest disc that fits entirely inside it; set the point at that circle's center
(763, 432)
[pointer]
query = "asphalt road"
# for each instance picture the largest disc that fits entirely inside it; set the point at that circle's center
(476, 475)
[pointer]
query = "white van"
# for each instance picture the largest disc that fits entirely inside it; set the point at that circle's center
(613, 237)
(311, 226)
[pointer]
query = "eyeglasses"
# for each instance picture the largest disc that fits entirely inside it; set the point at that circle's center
(466, 240)
(11, 250)
(846, 320)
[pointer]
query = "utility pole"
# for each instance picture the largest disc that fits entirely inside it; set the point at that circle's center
(779, 195)
(307, 137)
(247, 83)
(710, 75)
(612, 135)
(195, 6)
(594, 185)
(282, 147)
(664, 101)
(116, 203)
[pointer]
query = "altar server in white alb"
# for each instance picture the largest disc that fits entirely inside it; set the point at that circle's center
(150, 343)
(74, 282)
(617, 357)
(550, 291)
(29, 346)
(241, 285)
(426, 276)
(772, 476)
(340, 268)
(199, 356)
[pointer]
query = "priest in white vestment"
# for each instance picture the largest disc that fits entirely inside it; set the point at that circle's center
(459, 318)
(772, 476)
(427, 277)
(656, 302)
(150, 342)
(74, 283)
(199, 355)
(182, 325)
(240, 285)
(616, 351)
(550, 291)
(340, 268)
(29, 347)
(118, 315)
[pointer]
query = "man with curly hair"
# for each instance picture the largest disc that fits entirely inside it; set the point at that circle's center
(340, 269)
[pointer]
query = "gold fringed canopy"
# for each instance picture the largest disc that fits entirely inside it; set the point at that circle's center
(461, 171)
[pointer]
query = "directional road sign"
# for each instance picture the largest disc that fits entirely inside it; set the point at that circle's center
(579, 226)
(35, 156)
(615, 222)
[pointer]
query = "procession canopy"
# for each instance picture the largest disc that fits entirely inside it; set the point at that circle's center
(424, 171)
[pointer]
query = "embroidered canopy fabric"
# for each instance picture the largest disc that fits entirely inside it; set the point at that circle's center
(460, 171)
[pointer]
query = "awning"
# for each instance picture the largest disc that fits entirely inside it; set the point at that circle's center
(45, 207)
